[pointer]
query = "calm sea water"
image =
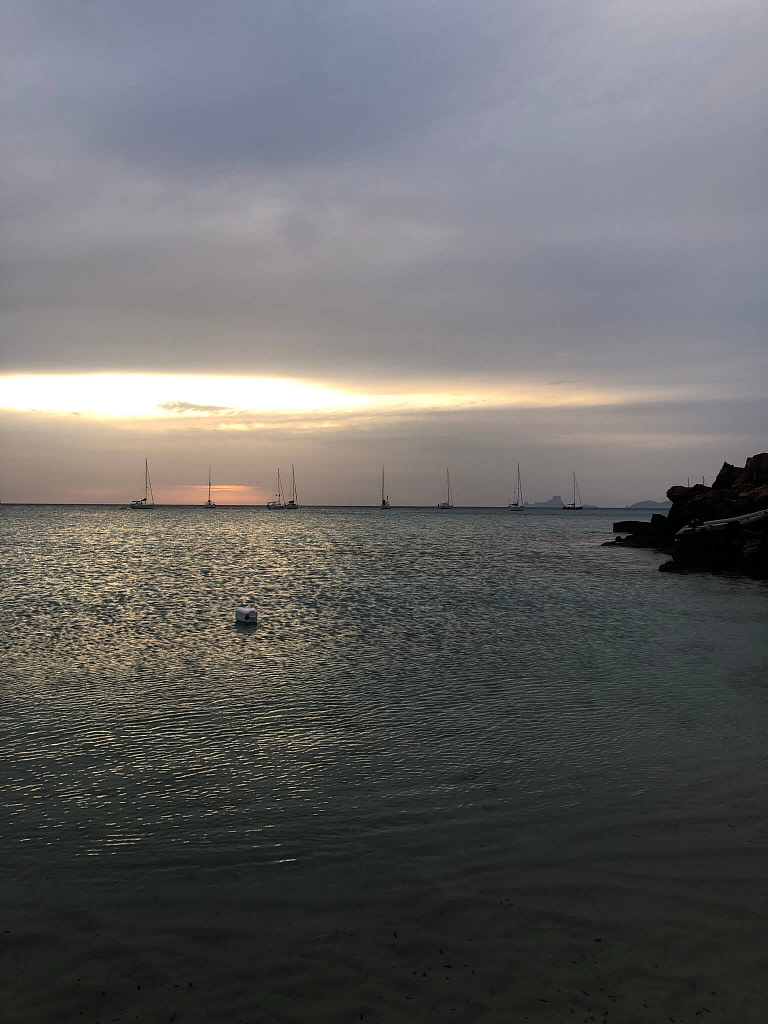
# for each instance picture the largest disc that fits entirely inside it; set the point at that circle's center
(426, 694)
(416, 678)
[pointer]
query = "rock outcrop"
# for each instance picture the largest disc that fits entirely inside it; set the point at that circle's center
(736, 547)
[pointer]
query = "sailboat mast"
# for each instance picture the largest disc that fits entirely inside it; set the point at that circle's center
(147, 483)
(209, 484)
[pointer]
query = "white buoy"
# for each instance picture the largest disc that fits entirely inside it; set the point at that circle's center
(246, 615)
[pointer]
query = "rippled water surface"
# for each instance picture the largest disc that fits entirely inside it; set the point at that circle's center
(420, 685)
(469, 766)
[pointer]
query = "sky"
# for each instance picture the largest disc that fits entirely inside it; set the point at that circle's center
(345, 235)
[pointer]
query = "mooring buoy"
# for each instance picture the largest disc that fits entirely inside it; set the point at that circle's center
(246, 615)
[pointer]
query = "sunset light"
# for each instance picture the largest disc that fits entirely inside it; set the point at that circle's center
(220, 400)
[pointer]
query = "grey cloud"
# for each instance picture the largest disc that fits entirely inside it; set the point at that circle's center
(195, 407)
(198, 89)
(353, 189)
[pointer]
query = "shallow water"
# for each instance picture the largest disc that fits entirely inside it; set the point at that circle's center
(426, 696)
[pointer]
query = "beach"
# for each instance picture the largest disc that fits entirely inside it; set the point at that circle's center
(675, 932)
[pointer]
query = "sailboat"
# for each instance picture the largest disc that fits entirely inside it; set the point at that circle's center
(293, 501)
(517, 505)
(448, 503)
(145, 502)
(279, 501)
(571, 506)
(209, 503)
(384, 501)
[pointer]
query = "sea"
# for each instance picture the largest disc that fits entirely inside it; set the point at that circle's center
(468, 765)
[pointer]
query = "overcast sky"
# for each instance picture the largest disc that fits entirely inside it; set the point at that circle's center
(553, 212)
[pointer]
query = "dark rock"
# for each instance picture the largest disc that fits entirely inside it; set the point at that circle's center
(738, 548)
(680, 493)
(654, 534)
(632, 526)
(671, 567)
(726, 477)
(716, 551)
(756, 470)
(754, 474)
(643, 540)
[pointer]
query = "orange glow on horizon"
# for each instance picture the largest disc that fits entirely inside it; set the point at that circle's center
(221, 494)
(239, 403)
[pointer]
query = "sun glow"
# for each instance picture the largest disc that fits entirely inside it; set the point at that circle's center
(223, 399)
(221, 494)
(145, 396)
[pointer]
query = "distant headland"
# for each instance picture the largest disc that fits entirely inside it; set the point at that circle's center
(722, 528)
(647, 503)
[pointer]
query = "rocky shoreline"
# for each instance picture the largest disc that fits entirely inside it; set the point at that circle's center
(734, 546)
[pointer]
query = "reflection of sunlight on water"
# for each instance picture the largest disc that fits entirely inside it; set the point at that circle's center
(411, 678)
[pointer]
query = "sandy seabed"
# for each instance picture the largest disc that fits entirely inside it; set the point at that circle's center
(669, 927)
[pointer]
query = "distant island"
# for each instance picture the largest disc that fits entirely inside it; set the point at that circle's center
(554, 502)
(651, 504)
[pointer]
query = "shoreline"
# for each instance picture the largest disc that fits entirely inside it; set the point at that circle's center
(659, 924)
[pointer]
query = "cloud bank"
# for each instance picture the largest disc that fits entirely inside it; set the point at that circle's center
(391, 196)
